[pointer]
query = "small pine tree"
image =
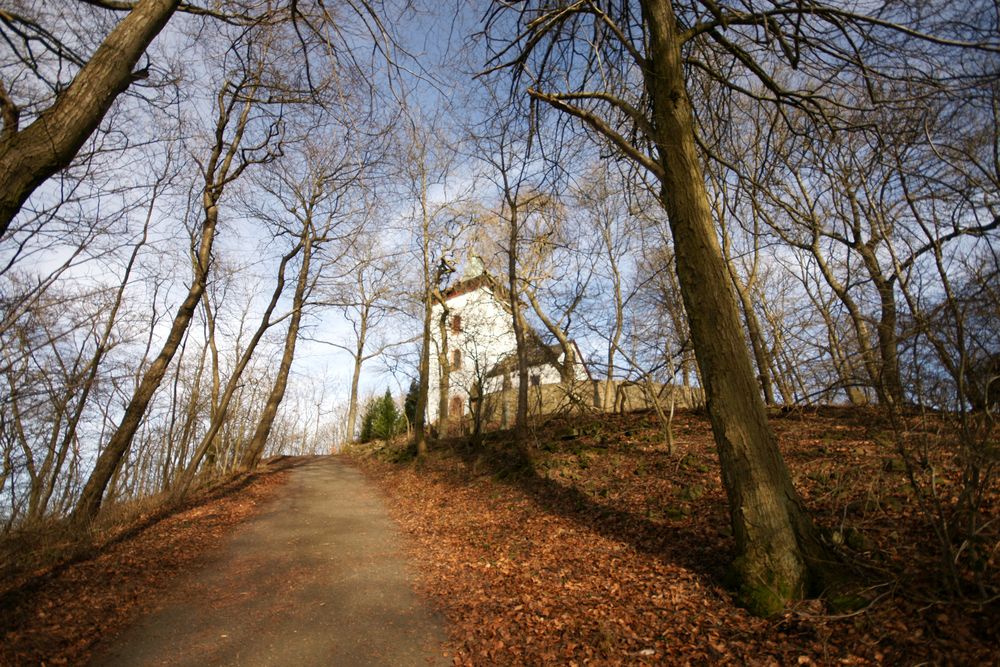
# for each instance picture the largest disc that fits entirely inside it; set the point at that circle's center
(367, 420)
(381, 420)
(385, 423)
(410, 403)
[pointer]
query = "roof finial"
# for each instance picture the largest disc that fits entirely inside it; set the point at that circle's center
(474, 267)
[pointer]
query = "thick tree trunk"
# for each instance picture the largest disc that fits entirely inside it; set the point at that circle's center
(29, 156)
(777, 544)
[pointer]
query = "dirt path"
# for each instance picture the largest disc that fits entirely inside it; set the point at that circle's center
(316, 579)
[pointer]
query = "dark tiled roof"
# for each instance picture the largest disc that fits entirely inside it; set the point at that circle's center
(470, 285)
(539, 354)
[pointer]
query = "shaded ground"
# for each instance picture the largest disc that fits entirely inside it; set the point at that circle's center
(596, 546)
(315, 579)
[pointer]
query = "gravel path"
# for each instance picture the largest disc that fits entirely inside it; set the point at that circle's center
(317, 578)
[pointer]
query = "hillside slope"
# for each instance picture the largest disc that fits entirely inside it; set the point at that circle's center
(596, 545)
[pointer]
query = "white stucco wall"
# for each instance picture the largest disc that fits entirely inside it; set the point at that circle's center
(486, 337)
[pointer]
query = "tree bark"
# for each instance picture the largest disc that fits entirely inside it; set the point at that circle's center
(778, 547)
(30, 156)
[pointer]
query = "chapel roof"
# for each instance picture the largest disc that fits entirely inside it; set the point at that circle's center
(539, 354)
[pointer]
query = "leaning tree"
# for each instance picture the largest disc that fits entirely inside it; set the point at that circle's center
(623, 69)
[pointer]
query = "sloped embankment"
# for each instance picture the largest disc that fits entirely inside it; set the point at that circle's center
(595, 544)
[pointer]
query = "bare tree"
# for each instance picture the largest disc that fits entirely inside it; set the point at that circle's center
(30, 155)
(228, 158)
(316, 197)
(366, 296)
(504, 145)
(430, 159)
(629, 86)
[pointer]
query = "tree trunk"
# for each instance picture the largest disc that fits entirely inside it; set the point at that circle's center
(29, 156)
(616, 333)
(841, 362)
(889, 384)
(778, 546)
(757, 344)
(208, 449)
(178, 447)
(783, 374)
(444, 369)
(110, 459)
(858, 322)
(754, 332)
(521, 415)
(259, 440)
(567, 370)
(352, 411)
(212, 345)
(423, 384)
(103, 344)
(424, 370)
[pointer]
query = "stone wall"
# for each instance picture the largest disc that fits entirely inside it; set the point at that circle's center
(499, 408)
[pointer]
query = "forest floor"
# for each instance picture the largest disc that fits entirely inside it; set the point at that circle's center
(595, 545)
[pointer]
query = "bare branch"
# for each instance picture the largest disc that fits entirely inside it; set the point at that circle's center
(601, 126)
